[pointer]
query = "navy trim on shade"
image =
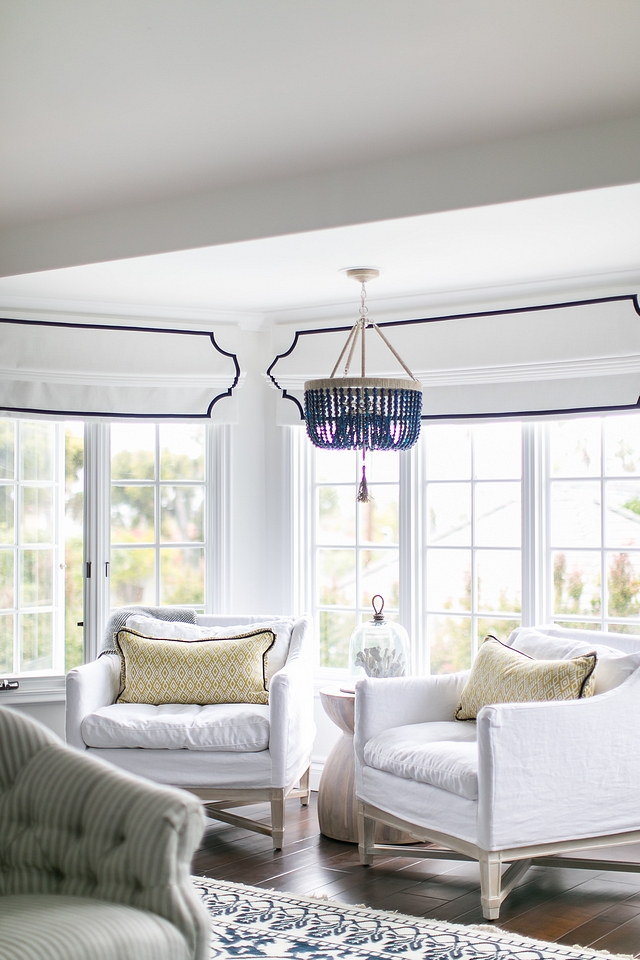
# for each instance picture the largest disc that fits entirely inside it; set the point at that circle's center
(532, 413)
(632, 297)
(125, 327)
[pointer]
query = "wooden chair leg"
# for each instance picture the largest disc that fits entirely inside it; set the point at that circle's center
(366, 837)
(490, 884)
(277, 819)
(304, 786)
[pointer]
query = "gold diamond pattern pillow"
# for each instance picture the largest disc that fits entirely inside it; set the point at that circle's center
(501, 674)
(194, 671)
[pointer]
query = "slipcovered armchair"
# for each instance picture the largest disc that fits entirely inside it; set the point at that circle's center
(93, 862)
(526, 781)
(228, 755)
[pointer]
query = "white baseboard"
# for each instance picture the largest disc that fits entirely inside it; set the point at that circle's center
(316, 772)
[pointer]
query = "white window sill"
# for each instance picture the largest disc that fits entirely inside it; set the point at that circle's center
(35, 690)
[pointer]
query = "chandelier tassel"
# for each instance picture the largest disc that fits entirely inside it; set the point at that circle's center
(363, 490)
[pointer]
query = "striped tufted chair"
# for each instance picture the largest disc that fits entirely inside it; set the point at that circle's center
(93, 862)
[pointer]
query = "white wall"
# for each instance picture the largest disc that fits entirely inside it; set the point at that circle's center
(259, 562)
(260, 565)
(50, 714)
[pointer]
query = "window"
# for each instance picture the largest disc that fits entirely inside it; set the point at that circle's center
(356, 547)
(594, 523)
(41, 507)
(99, 515)
(517, 523)
(473, 507)
(157, 514)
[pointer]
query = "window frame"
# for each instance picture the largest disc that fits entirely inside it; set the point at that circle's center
(537, 573)
(158, 544)
(605, 620)
(97, 501)
(56, 547)
(358, 547)
(473, 548)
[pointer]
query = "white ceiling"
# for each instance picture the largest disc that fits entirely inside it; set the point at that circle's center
(573, 241)
(110, 105)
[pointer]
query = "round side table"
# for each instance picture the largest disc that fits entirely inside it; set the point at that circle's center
(337, 803)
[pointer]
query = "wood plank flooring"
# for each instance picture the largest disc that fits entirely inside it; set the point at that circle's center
(585, 907)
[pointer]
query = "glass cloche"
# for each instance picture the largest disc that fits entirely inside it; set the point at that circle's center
(379, 647)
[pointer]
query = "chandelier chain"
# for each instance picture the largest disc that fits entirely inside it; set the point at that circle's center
(364, 309)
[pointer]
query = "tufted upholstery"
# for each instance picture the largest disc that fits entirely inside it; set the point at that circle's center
(72, 825)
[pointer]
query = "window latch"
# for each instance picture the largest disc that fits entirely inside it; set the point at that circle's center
(9, 684)
(88, 570)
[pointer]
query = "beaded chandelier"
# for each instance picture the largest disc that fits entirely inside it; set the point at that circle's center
(363, 413)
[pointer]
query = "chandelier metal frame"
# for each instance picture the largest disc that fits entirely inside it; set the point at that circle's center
(363, 413)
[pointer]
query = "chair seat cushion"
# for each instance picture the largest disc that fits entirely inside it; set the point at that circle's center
(57, 927)
(444, 754)
(222, 727)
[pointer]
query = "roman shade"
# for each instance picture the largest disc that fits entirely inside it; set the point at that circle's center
(99, 370)
(551, 359)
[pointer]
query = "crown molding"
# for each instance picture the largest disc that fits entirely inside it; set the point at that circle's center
(382, 309)
(46, 308)
(496, 296)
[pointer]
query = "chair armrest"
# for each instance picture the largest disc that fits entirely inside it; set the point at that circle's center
(396, 701)
(291, 726)
(559, 770)
(89, 687)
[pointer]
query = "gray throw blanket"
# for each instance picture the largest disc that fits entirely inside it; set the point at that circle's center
(118, 619)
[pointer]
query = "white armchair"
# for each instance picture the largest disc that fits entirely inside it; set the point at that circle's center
(528, 780)
(251, 753)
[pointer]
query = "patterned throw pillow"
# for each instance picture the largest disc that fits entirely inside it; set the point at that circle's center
(194, 671)
(501, 674)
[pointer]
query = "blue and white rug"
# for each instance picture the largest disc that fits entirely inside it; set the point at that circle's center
(254, 924)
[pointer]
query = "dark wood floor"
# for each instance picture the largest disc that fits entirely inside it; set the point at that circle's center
(584, 907)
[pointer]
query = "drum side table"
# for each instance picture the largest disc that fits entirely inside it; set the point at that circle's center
(337, 803)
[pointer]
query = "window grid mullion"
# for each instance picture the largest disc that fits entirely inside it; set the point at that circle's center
(527, 525)
(17, 626)
(547, 571)
(59, 540)
(359, 554)
(474, 559)
(604, 586)
(156, 508)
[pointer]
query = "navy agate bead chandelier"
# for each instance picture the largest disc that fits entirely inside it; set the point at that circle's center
(363, 413)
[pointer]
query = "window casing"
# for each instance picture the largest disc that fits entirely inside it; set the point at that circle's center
(500, 524)
(355, 549)
(472, 537)
(593, 553)
(41, 493)
(57, 520)
(158, 515)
